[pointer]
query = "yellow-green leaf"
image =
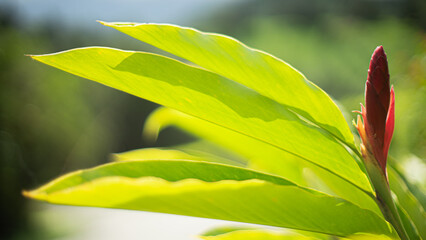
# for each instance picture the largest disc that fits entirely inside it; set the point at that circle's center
(261, 156)
(211, 97)
(210, 190)
(262, 72)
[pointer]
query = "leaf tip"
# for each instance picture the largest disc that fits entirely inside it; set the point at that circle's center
(102, 22)
(36, 194)
(31, 56)
(34, 57)
(28, 194)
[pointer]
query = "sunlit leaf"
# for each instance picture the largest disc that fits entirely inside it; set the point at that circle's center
(255, 69)
(214, 98)
(261, 156)
(210, 190)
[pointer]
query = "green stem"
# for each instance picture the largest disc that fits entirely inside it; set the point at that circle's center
(384, 196)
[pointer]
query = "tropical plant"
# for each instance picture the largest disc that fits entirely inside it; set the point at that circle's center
(290, 161)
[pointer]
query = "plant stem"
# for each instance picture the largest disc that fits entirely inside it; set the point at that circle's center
(384, 196)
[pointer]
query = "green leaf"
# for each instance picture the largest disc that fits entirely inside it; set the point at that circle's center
(261, 156)
(407, 201)
(257, 235)
(262, 72)
(211, 97)
(210, 190)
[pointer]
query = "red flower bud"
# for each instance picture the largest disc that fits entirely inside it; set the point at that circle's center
(379, 114)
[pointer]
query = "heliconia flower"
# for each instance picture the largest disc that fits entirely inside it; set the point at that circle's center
(378, 115)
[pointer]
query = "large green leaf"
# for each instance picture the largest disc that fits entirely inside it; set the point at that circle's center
(210, 190)
(213, 98)
(267, 75)
(168, 153)
(261, 156)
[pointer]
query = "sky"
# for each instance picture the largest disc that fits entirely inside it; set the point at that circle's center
(86, 12)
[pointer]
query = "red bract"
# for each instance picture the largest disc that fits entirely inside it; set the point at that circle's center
(379, 113)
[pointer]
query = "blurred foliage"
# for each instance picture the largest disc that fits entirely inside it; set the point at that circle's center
(312, 12)
(40, 115)
(336, 56)
(52, 123)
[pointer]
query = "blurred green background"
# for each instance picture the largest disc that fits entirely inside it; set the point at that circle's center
(52, 123)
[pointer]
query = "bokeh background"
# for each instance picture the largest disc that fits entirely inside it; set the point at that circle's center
(52, 123)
